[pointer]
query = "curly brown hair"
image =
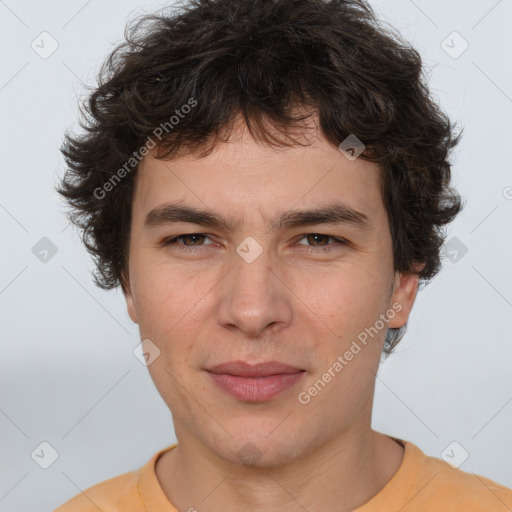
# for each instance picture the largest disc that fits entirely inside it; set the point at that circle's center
(261, 59)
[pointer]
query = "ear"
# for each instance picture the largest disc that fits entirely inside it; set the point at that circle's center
(130, 305)
(405, 288)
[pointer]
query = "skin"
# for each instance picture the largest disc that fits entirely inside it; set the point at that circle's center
(302, 308)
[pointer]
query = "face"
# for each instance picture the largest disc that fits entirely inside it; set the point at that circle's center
(264, 283)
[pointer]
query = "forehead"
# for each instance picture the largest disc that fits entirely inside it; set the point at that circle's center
(243, 175)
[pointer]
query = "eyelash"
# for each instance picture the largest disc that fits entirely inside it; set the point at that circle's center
(312, 248)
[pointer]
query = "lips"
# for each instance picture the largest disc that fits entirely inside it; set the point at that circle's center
(243, 369)
(255, 383)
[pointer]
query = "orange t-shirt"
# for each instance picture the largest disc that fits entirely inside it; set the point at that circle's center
(421, 484)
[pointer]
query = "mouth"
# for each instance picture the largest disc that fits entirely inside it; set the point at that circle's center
(255, 383)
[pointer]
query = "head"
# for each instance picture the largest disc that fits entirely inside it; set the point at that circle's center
(226, 119)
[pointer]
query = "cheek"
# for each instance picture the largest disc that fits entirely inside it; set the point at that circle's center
(166, 296)
(347, 298)
(171, 309)
(348, 340)
(167, 316)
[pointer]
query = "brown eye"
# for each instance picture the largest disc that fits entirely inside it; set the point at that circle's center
(316, 239)
(318, 242)
(193, 237)
(187, 240)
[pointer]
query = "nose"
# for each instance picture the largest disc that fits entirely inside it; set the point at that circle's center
(254, 297)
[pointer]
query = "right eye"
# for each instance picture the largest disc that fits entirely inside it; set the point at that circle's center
(187, 237)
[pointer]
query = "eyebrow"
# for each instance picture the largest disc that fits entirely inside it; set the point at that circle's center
(333, 213)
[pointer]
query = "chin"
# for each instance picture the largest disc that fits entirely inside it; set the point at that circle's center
(259, 449)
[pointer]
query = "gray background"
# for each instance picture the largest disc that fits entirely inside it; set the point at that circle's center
(68, 375)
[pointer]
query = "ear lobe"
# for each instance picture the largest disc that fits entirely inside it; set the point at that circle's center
(131, 308)
(130, 304)
(404, 293)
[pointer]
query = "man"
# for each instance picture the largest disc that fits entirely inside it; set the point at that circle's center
(267, 180)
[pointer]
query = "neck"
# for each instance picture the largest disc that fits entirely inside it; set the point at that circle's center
(341, 475)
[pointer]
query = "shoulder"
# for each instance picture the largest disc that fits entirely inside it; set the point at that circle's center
(439, 482)
(120, 493)
(115, 494)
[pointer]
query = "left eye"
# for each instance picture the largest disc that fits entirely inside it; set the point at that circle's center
(315, 238)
